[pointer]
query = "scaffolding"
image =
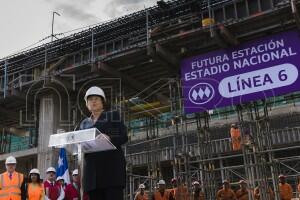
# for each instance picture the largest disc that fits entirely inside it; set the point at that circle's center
(195, 154)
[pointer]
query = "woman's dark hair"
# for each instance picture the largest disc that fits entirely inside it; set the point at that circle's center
(38, 178)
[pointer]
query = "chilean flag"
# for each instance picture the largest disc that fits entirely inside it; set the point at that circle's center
(62, 166)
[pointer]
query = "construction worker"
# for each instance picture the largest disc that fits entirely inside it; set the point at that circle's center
(72, 191)
(298, 187)
(53, 190)
(197, 193)
(285, 189)
(35, 189)
(161, 193)
(235, 134)
(141, 195)
(243, 192)
(179, 190)
(12, 185)
(174, 186)
(105, 171)
(226, 193)
(270, 194)
(61, 181)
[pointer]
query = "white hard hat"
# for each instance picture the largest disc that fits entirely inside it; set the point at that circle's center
(94, 91)
(281, 176)
(51, 169)
(196, 183)
(34, 171)
(75, 172)
(142, 186)
(11, 160)
(161, 182)
(59, 178)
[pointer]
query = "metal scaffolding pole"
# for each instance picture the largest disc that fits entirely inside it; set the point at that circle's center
(92, 50)
(174, 112)
(263, 143)
(5, 79)
(246, 150)
(207, 168)
(147, 27)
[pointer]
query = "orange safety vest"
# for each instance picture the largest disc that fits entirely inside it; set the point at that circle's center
(157, 196)
(235, 138)
(35, 191)
(10, 189)
(270, 194)
(200, 197)
(180, 193)
(226, 194)
(140, 197)
(242, 195)
(286, 191)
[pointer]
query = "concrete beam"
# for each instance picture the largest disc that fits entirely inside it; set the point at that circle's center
(21, 96)
(8, 113)
(56, 65)
(295, 12)
(132, 82)
(56, 80)
(219, 40)
(228, 36)
(165, 57)
(19, 154)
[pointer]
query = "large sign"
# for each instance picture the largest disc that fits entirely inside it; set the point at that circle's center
(254, 70)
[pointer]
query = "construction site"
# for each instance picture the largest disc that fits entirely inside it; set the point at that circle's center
(137, 60)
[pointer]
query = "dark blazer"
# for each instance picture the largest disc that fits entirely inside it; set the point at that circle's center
(106, 169)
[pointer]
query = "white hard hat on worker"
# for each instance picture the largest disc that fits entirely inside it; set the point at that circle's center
(10, 160)
(34, 171)
(10, 164)
(60, 178)
(161, 182)
(94, 91)
(51, 169)
(75, 172)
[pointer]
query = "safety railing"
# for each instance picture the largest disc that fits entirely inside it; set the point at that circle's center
(288, 136)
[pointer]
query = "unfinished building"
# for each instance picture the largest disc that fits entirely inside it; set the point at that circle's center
(136, 60)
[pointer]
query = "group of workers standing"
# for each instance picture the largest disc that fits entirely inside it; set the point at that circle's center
(226, 193)
(13, 185)
(106, 170)
(180, 191)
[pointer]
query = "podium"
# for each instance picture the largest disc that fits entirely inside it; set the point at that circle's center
(83, 141)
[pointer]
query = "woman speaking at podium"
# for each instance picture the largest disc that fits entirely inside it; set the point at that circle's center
(104, 173)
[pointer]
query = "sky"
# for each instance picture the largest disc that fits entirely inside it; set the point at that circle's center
(26, 22)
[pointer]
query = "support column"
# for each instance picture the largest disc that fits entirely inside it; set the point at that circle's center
(48, 118)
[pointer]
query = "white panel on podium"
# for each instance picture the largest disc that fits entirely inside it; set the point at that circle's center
(101, 143)
(91, 140)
